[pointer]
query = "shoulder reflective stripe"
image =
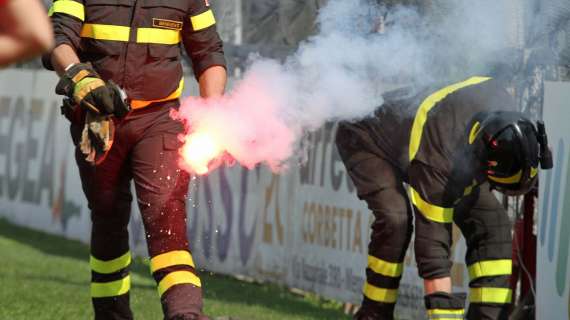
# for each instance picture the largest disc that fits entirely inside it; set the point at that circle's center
(158, 36)
(380, 294)
(172, 258)
(441, 314)
(490, 295)
(137, 104)
(490, 268)
(177, 277)
(385, 268)
(203, 20)
(430, 211)
(508, 180)
(111, 266)
(111, 289)
(72, 8)
(428, 104)
(105, 32)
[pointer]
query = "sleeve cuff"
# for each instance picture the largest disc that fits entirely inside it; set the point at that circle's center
(213, 59)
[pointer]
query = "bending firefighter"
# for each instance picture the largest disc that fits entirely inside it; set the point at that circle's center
(119, 63)
(451, 145)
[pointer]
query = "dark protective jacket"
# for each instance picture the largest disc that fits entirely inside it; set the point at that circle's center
(136, 43)
(425, 134)
(425, 138)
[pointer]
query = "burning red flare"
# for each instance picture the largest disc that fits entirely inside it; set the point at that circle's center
(199, 150)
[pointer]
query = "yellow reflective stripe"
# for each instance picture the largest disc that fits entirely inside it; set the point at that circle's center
(158, 36)
(385, 268)
(490, 295)
(430, 211)
(490, 268)
(469, 189)
(177, 277)
(203, 20)
(428, 104)
(533, 172)
(137, 104)
(474, 132)
(508, 180)
(110, 266)
(441, 314)
(445, 311)
(105, 32)
(172, 258)
(380, 294)
(111, 289)
(72, 8)
(122, 33)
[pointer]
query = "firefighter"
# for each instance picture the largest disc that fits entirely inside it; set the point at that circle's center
(451, 145)
(25, 30)
(116, 56)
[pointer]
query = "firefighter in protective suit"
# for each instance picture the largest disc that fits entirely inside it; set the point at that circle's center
(120, 68)
(451, 144)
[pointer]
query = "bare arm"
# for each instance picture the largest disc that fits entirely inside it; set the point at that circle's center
(63, 56)
(25, 31)
(213, 82)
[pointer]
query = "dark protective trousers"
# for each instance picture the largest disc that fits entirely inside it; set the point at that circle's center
(145, 150)
(482, 220)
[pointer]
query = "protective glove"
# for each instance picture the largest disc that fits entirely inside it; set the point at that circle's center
(82, 84)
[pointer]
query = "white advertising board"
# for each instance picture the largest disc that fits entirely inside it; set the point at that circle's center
(553, 272)
(304, 228)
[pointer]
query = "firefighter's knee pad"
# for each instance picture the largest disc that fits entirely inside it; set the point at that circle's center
(432, 259)
(443, 305)
(391, 233)
(393, 222)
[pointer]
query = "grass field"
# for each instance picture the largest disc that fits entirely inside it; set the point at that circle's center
(47, 277)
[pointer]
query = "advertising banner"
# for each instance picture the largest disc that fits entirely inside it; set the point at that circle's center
(553, 272)
(303, 228)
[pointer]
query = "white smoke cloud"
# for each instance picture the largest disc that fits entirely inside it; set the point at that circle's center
(341, 73)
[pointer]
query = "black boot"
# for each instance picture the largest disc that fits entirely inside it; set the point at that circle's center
(371, 310)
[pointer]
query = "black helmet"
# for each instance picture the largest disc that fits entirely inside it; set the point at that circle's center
(510, 148)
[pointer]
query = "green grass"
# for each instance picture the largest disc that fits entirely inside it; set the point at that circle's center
(47, 277)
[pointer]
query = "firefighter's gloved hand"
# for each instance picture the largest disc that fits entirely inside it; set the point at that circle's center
(92, 94)
(82, 83)
(97, 137)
